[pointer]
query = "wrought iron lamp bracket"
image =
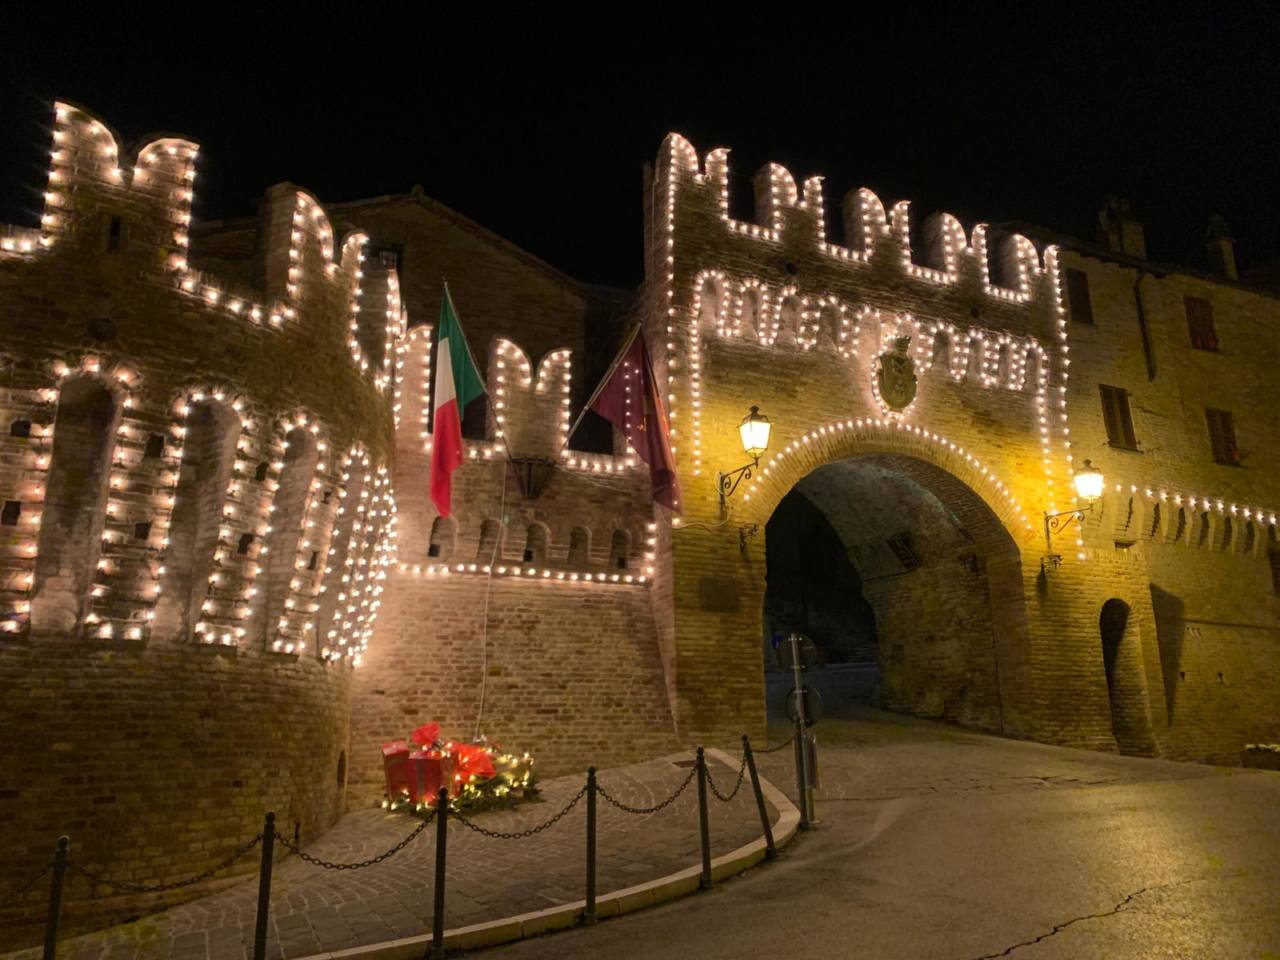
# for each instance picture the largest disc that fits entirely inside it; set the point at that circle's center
(1057, 523)
(728, 482)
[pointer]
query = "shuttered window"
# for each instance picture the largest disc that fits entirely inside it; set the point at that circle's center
(1116, 416)
(1200, 323)
(1222, 436)
(1078, 300)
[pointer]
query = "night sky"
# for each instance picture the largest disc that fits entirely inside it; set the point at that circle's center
(537, 125)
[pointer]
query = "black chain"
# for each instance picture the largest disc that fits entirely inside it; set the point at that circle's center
(693, 771)
(785, 743)
(742, 771)
(161, 887)
(27, 887)
(521, 834)
(330, 865)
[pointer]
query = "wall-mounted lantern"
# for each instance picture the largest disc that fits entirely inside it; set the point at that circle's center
(754, 433)
(1088, 482)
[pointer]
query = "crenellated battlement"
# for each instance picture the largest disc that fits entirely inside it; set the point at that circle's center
(791, 217)
(137, 207)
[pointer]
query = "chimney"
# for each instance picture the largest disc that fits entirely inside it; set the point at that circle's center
(1119, 231)
(1221, 247)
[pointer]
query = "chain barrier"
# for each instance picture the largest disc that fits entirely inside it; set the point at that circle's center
(725, 798)
(521, 834)
(163, 887)
(27, 887)
(774, 749)
(693, 772)
(330, 865)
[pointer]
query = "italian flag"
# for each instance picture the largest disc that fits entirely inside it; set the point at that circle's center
(458, 382)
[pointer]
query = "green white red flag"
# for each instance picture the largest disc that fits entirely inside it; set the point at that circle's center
(458, 382)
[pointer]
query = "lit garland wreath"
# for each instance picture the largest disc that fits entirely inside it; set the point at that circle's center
(480, 775)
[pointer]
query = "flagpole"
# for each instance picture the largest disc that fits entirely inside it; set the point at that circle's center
(601, 385)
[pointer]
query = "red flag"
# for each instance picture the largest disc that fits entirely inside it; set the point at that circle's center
(629, 399)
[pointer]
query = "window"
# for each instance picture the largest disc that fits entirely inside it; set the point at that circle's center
(115, 234)
(20, 428)
(9, 515)
(1116, 416)
(155, 446)
(1078, 300)
(1200, 323)
(1222, 436)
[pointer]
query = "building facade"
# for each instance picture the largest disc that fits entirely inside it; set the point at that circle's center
(220, 558)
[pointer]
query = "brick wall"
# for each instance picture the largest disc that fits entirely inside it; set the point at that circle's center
(153, 716)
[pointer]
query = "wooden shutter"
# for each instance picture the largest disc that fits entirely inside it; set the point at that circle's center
(1222, 435)
(1078, 299)
(1117, 417)
(1200, 323)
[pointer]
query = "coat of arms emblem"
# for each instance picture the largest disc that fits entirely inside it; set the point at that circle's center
(896, 375)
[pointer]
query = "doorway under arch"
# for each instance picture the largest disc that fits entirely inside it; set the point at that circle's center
(894, 563)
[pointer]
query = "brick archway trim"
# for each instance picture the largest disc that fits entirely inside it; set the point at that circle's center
(896, 443)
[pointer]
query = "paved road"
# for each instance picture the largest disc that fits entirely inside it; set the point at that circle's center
(941, 843)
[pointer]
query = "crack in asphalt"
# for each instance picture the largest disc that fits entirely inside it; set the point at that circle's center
(1118, 908)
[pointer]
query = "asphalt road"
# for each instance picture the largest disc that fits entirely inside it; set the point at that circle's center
(941, 843)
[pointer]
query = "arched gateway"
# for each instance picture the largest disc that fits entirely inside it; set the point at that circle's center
(917, 399)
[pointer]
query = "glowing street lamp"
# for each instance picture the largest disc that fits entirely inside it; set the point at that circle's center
(1089, 483)
(754, 433)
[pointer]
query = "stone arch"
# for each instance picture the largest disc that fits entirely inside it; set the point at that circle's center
(940, 465)
(443, 537)
(986, 681)
(288, 512)
(536, 542)
(619, 549)
(1126, 685)
(579, 548)
(211, 430)
(489, 549)
(70, 543)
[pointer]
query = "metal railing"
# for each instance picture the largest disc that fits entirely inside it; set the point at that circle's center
(441, 815)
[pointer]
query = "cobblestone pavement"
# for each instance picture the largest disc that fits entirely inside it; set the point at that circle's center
(315, 910)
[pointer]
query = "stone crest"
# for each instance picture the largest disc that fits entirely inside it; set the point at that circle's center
(896, 375)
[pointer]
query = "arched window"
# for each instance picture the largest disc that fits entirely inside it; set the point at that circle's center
(208, 455)
(580, 548)
(752, 313)
(535, 545)
(75, 501)
(288, 509)
(442, 537)
(490, 548)
(789, 319)
(619, 547)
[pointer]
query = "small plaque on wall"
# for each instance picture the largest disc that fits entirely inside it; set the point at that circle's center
(718, 593)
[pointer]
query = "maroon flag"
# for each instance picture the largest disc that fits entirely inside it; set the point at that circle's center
(629, 399)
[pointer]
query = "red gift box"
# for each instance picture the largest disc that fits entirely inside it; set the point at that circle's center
(426, 775)
(395, 765)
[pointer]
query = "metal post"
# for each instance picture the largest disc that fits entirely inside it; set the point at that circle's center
(798, 740)
(770, 851)
(264, 887)
(437, 911)
(589, 915)
(803, 780)
(55, 899)
(704, 828)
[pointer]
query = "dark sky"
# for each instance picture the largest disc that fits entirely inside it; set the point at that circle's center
(537, 125)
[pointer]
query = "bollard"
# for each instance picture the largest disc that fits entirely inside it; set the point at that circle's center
(589, 915)
(264, 887)
(802, 787)
(437, 909)
(704, 829)
(55, 898)
(770, 851)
